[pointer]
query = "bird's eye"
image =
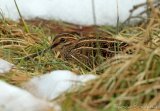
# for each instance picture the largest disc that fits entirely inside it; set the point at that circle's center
(63, 40)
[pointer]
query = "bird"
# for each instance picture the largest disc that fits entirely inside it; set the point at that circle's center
(87, 51)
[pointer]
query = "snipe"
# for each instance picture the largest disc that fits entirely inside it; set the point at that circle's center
(88, 51)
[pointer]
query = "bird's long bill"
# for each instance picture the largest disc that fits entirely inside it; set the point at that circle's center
(54, 45)
(40, 52)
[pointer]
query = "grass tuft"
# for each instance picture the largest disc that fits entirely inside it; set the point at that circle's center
(125, 80)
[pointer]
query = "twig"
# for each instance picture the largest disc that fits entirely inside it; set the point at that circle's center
(94, 12)
(117, 28)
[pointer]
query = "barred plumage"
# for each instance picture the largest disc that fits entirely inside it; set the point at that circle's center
(89, 51)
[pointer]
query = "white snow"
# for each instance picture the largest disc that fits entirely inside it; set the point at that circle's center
(50, 86)
(39, 89)
(15, 99)
(72, 11)
(5, 66)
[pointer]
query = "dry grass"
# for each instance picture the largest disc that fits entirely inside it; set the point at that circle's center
(126, 80)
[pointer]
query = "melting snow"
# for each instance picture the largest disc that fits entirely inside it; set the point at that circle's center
(5, 66)
(73, 11)
(15, 99)
(51, 85)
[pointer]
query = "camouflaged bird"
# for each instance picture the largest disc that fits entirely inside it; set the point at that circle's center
(86, 51)
(89, 51)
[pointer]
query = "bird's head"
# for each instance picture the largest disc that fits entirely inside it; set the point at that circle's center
(63, 40)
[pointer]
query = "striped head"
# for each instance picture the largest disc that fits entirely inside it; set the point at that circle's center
(64, 40)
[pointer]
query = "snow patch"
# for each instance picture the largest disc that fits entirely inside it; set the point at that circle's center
(5, 66)
(72, 11)
(15, 99)
(56, 83)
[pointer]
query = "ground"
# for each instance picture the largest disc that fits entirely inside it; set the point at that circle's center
(126, 82)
